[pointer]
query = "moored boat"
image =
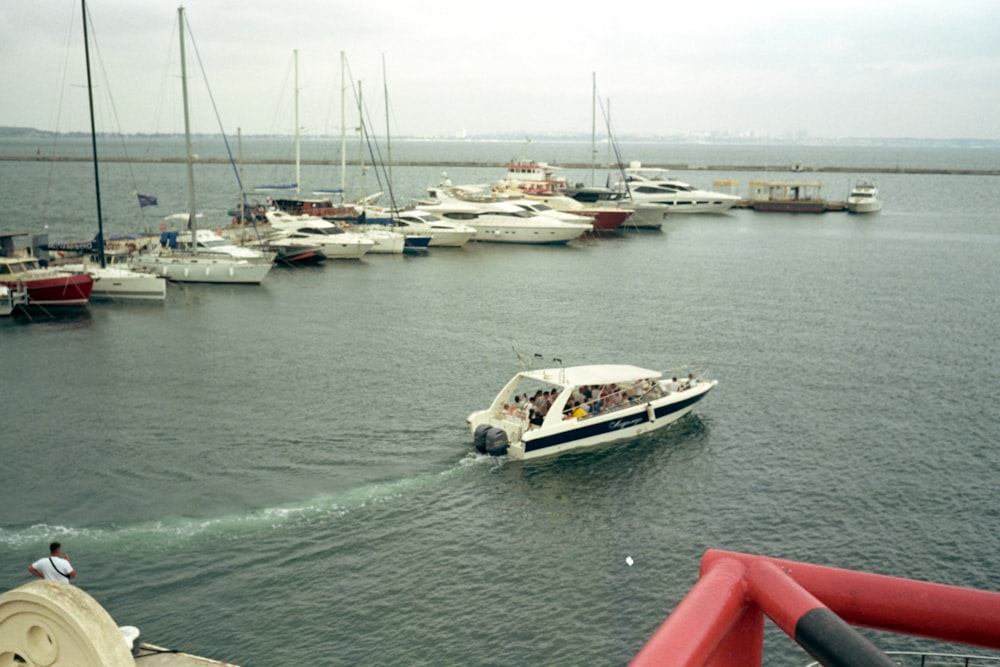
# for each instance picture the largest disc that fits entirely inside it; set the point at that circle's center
(333, 241)
(654, 187)
(442, 233)
(864, 198)
(537, 181)
(120, 283)
(45, 286)
(548, 411)
(497, 221)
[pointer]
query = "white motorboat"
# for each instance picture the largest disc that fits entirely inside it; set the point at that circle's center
(330, 237)
(864, 198)
(654, 188)
(553, 410)
(497, 221)
(443, 233)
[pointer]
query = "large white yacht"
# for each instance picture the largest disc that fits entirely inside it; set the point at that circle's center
(648, 187)
(330, 237)
(497, 221)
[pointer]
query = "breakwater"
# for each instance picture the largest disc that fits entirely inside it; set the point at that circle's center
(451, 164)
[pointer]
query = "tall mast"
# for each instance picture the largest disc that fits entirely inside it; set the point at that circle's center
(93, 139)
(593, 127)
(192, 224)
(361, 143)
(343, 132)
(388, 144)
(298, 154)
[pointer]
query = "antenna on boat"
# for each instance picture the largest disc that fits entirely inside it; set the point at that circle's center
(562, 370)
(521, 358)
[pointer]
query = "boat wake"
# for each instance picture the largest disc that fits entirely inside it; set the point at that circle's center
(173, 532)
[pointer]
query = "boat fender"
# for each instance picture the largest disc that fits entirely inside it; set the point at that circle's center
(650, 412)
(479, 437)
(496, 441)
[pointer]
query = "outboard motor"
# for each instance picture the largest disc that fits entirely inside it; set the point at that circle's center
(479, 438)
(496, 441)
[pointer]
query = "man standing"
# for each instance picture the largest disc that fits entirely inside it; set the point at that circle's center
(54, 568)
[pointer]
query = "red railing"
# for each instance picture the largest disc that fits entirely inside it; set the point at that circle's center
(720, 622)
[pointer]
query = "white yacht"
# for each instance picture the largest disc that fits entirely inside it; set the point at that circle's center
(497, 221)
(864, 198)
(212, 259)
(330, 237)
(548, 411)
(443, 233)
(654, 188)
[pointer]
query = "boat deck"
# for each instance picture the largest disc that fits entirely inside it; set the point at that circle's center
(156, 656)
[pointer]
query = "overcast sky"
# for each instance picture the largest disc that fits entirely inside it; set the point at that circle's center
(828, 69)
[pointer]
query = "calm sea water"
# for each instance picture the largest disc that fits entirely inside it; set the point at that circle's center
(282, 474)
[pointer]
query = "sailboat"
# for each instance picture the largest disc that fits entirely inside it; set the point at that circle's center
(193, 262)
(111, 282)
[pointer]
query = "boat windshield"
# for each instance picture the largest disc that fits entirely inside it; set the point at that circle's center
(18, 267)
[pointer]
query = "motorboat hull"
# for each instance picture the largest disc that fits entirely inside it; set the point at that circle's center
(542, 235)
(866, 206)
(622, 425)
(71, 289)
(631, 403)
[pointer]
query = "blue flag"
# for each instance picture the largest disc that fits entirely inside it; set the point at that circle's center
(146, 200)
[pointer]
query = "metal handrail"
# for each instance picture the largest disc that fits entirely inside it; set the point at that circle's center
(951, 658)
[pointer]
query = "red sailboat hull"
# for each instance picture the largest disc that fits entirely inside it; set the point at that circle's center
(59, 290)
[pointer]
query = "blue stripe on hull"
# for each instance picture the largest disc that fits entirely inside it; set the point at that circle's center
(608, 426)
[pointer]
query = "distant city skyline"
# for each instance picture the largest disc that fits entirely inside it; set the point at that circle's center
(776, 70)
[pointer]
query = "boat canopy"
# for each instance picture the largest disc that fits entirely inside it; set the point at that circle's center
(573, 376)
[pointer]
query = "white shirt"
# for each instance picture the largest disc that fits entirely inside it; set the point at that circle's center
(54, 568)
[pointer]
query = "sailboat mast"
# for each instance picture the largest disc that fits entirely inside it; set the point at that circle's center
(593, 127)
(93, 138)
(192, 225)
(361, 143)
(388, 144)
(298, 152)
(343, 132)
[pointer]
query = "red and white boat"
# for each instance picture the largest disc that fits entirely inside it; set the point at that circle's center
(537, 181)
(45, 287)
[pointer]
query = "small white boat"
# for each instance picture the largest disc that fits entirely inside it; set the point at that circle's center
(553, 410)
(864, 198)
